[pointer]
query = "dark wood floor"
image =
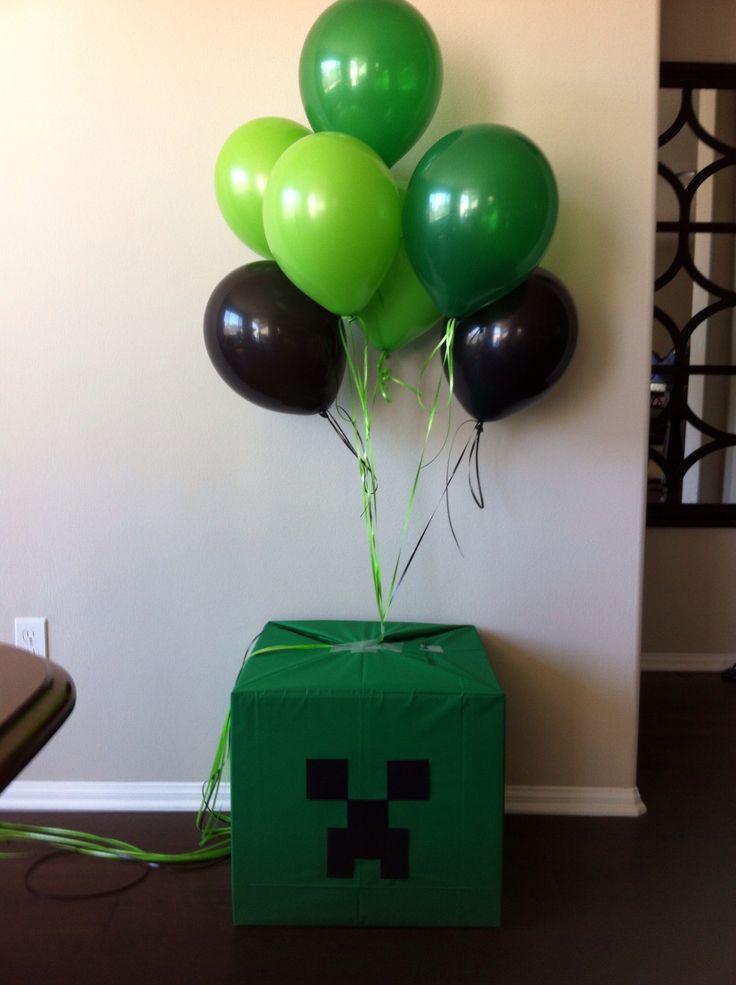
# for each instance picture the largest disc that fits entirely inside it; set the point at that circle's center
(650, 901)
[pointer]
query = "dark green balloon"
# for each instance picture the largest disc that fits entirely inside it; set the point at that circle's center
(480, 210)
(372, 69)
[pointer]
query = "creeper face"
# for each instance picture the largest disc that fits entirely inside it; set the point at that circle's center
(368, 833)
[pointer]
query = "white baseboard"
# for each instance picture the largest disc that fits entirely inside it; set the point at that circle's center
(582, 801)
(52, 795)
(39, 795)
(711, 662)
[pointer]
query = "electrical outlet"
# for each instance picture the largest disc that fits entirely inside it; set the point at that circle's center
(31, 633)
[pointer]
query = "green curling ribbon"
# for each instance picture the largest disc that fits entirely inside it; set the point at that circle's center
(385, 376)
(363, 398)
(214, 825)
(358, 378)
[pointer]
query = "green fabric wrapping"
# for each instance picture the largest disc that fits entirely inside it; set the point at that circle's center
(427, 693)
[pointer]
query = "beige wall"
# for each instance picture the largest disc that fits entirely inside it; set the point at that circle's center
(689, 592)
(689, 574)
(698, 32)
(158, 520)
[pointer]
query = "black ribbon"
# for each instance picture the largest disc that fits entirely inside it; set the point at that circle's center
(371, 486)
(144, 869)
(477, 496)
(473, 444)
(335, 425)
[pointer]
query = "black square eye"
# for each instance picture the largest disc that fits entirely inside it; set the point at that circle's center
(327, 779)
(407, 779)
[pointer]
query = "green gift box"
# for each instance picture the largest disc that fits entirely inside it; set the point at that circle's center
(367, 777)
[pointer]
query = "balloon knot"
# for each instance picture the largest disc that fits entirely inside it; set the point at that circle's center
(385, 377)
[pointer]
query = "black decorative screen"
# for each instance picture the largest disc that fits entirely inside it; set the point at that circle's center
(692, 440)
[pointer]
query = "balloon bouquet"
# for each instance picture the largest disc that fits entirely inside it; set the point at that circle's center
(345, 245)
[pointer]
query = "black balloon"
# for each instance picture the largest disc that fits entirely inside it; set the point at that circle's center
(272, 344)
(508, 353)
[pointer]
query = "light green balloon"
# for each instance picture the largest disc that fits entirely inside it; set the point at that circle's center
(242, 170)
(332, 218)
(401, 309)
